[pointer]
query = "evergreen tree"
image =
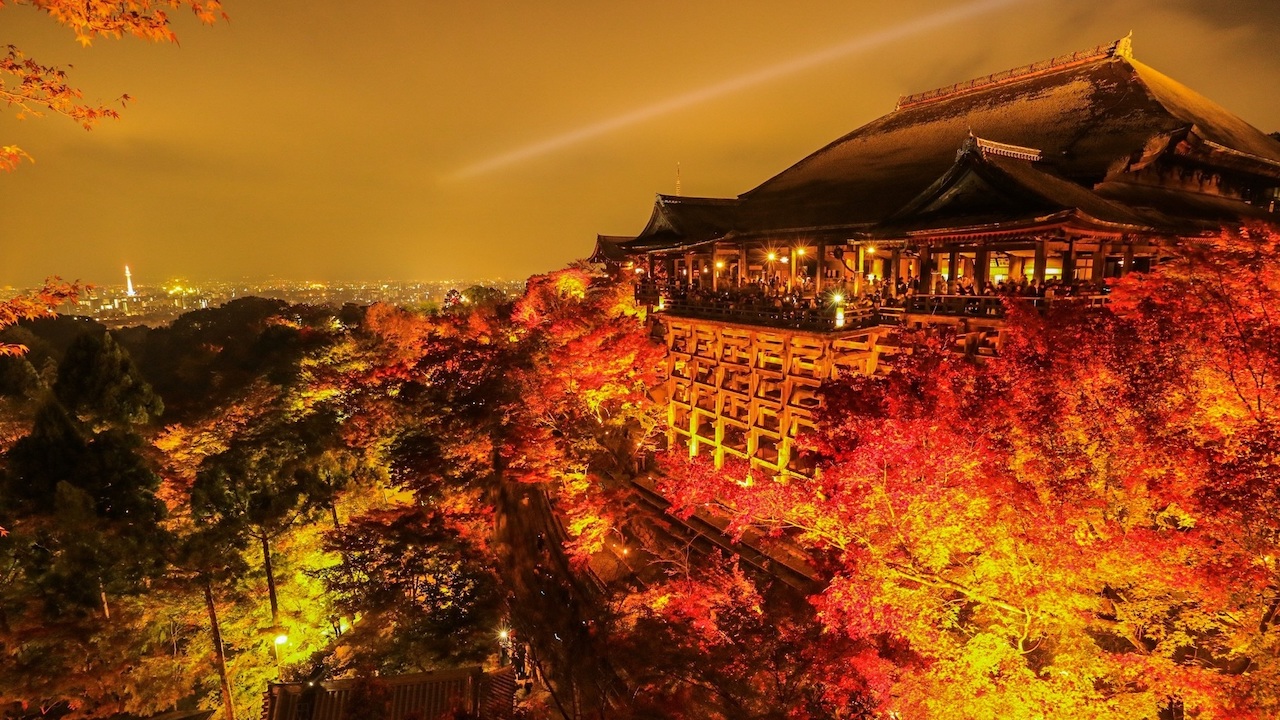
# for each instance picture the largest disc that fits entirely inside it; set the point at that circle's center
(99, 379)
(258, 488)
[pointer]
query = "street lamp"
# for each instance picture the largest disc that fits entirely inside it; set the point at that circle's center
(281, 639)
(504, 646)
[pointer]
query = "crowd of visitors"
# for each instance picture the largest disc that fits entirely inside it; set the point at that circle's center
(875, 293)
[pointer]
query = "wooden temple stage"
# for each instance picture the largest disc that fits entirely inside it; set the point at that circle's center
(1034, 185)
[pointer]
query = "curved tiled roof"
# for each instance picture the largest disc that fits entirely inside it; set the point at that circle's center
(989, 187)
(1091, 115)
(678, 220)
(1086, 119)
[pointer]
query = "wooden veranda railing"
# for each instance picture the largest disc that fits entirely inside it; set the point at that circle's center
(819, 318)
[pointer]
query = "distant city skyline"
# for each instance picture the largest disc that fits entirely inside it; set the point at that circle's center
(488, 139)
(145, 281)
(123, 304)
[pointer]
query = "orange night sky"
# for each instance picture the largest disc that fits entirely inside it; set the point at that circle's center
(433, 140)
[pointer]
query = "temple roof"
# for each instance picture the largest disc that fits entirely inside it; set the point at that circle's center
(610, 249)
(1205, 211)
(676, 222)
(690, 219)
(1091, 116)
(1085, 119)
(995, 186)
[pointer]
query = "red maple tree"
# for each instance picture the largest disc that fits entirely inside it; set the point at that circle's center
(1085, 527)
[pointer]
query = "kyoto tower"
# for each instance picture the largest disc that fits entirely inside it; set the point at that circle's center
(128, 283)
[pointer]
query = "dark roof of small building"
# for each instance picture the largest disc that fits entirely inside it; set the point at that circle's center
(692, 218)
(610, 249)
(678, 221)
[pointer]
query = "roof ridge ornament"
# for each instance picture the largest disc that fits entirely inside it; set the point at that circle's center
(1122, 48)
(973, 143)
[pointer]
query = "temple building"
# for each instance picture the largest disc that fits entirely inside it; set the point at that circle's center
(1038, 183)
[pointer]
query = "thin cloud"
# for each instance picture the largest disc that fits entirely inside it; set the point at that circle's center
(860, 44)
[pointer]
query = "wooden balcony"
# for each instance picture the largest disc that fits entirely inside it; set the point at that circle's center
(818, 319)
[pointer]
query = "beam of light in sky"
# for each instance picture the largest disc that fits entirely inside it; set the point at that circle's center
(859, 44)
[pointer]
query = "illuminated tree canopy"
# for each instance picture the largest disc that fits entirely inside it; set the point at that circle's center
(1085, 526)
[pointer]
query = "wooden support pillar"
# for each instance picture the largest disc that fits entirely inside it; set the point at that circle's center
(953, 259)
(981, 268)
(859, 270)
(715, 270)
(744, 265)
(1127, 267)
(688, 270)
(895, 270)
(792, 257)
(935, 270)
(926, 271)
(1069, 262)
(1042, 256)
(1099, 275)
(821, 269)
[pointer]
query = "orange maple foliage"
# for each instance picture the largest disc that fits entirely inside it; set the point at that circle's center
(29, 307)
(146, 19)
(706, 642)
(584, 416)
(33, 88)
(1086, 527)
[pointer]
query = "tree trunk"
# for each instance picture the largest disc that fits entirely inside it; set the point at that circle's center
(271, 581)
(333, 512)
(218, 654)
(106, 608)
